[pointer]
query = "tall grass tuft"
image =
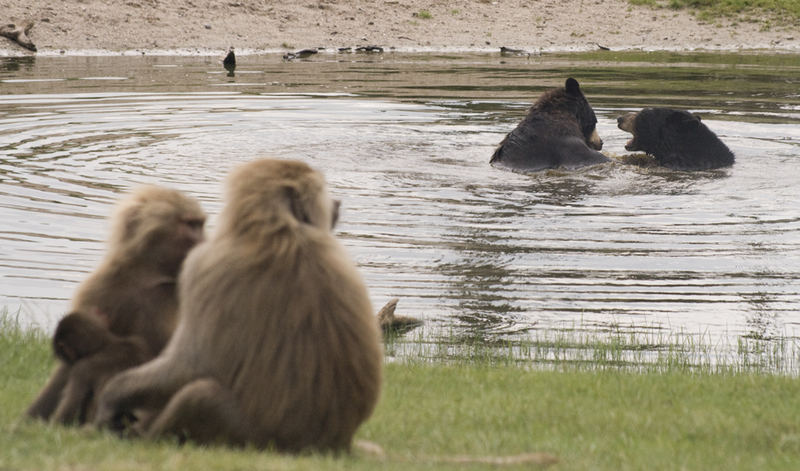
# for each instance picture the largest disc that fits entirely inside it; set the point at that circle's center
(580, 348)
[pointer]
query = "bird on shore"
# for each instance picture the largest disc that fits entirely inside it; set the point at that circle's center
(230, 62)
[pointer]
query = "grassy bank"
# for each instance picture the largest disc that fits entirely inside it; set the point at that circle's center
(630, 348)
(615, 419)
(779, 11)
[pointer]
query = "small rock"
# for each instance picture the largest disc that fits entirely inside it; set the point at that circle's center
(369, 49)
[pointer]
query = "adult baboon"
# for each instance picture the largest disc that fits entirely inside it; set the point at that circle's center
(276, 344)
(132, 292)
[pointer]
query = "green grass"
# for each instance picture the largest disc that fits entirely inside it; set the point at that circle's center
(786, 11)
(570, 347)
(482, 400)
(424, 15)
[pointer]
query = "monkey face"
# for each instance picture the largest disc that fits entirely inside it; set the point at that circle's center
(157, 225)
(190, 230)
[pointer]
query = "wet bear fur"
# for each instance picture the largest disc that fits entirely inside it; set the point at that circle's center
(559, 131)
(676, 139)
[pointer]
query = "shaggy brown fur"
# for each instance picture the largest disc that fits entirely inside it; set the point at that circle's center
(94, 354)
(277, 345)
(676, 139)
(133, 291)
(560, 130)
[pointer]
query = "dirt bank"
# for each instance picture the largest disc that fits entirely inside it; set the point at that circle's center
(210, 26)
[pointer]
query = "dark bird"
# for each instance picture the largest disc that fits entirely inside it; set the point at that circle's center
(230, 62)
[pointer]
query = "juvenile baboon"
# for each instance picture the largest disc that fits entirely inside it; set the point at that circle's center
(132, 292)
(276, 344)
(93, 354)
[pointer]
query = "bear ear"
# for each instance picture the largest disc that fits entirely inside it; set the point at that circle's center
(572, 86)
(697, 116)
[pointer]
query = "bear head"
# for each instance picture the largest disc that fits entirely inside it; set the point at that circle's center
(571, 100)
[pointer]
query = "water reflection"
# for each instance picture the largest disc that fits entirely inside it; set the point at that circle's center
(14, 64)
(480, 253)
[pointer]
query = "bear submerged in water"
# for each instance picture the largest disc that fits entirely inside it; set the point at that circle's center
(677, 139)
(558, 132)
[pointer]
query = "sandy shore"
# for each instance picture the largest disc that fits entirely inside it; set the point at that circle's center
(253, 26)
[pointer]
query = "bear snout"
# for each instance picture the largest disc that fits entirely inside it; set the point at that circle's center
(625, 122)
(594, 141)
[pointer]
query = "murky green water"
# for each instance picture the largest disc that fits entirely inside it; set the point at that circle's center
(405, 142)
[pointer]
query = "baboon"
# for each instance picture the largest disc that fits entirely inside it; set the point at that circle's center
(94, 354)
(132, 292)
(276, 344)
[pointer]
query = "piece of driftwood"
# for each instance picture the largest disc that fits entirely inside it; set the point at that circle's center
(19, 35)
(392, 324)
(509, 51)
(301, 54)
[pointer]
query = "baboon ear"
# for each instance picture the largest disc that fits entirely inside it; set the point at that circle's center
(130, 218)
(572, 86)
(296, 206)
(335, 216)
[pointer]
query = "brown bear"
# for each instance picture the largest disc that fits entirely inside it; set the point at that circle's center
(559, 131)
(677, 139)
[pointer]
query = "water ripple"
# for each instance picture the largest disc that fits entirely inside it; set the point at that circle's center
(474, 250)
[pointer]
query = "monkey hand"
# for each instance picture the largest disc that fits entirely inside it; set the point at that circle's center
(117, 421)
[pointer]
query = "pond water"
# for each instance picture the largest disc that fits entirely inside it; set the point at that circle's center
(405, 141)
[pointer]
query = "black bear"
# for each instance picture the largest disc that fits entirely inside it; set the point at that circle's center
(677, 139)
(559, 131)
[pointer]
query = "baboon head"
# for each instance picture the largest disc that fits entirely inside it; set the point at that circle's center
(156, 225)
(279, 191)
